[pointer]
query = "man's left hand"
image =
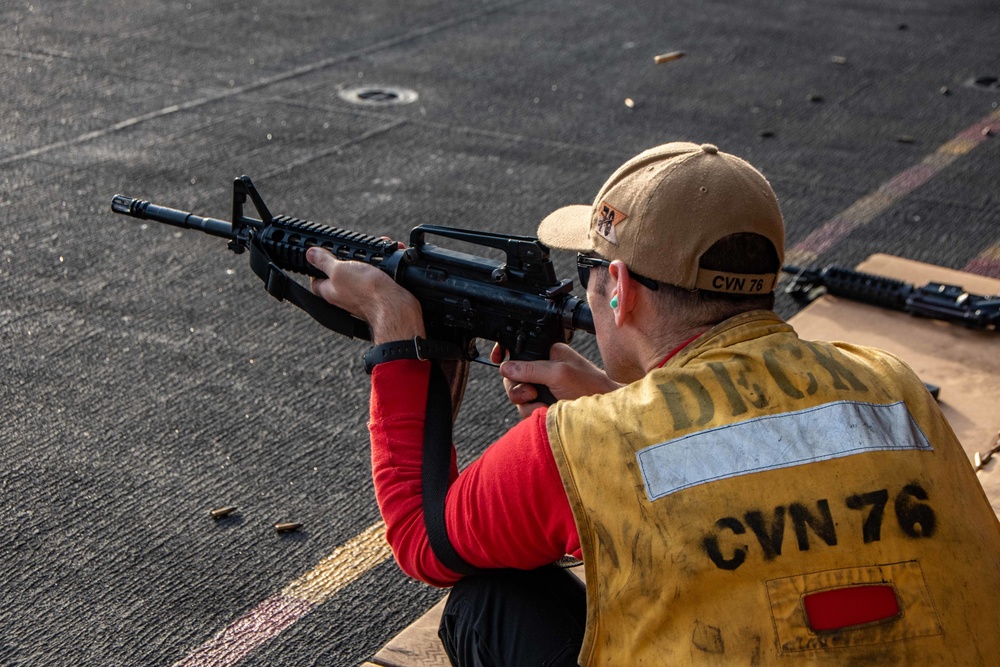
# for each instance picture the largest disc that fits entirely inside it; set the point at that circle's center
(369, 294)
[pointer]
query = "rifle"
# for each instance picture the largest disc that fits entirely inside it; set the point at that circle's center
(938, 301)
(519, 303)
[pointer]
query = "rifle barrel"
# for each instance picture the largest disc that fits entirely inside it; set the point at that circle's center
(144, 210)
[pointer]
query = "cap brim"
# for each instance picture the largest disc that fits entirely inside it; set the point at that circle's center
(567, 228)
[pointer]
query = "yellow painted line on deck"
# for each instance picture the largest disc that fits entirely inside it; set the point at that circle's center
(866, 209)
(986, 263)
(274, 615)
(346, 564)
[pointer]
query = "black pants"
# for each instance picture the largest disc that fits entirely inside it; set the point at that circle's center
(515, 619)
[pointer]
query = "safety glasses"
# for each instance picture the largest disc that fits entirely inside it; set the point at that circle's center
(584, 263)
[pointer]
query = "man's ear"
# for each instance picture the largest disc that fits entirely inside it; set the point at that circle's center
(622, 289)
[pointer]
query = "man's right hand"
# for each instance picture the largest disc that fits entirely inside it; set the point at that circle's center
(566, 373)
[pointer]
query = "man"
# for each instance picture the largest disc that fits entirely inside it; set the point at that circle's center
(737, 494)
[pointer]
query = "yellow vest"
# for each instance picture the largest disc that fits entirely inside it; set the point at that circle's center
(755, 473)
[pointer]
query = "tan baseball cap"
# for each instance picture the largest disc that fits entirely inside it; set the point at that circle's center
(661, 210)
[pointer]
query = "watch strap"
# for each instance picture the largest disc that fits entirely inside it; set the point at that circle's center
(417, 348)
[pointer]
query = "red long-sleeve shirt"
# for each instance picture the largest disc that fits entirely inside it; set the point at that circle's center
(507, 509)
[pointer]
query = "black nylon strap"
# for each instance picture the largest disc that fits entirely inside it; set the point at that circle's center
(436, 464)
(415, 348)
(283, 288)
(435, 472)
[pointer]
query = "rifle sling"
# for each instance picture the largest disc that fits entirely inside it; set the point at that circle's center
(283, 288)
(436, 465)
(436, 469)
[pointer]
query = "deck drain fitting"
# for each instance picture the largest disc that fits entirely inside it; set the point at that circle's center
(378, 95)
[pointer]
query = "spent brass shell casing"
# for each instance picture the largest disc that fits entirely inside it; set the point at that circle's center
(287, 527)
(222, 512)
(994, 448)
(982, 459)
(667, 57)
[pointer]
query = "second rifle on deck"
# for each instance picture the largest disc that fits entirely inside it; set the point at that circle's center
(934, 300)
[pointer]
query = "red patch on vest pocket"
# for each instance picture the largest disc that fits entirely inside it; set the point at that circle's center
(841, 608)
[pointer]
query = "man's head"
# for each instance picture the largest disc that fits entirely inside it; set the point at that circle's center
(703, 226)
(662, 210)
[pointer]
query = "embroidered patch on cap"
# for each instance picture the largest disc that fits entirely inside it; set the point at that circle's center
(610, 218)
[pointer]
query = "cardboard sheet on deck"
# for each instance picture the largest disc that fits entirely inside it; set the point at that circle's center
(965, 364)
(417, 645)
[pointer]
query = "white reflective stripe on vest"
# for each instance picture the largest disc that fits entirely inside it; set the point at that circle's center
(778, 441)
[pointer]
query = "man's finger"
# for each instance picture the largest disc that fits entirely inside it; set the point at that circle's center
(522, 393)
(524, 371)
(320, 258)
(497, 353)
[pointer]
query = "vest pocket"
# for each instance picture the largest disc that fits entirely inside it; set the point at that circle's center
(857, 606)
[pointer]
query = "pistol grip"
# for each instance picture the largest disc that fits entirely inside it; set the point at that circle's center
(544, 394)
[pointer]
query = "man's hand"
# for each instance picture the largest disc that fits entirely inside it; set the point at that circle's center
(567, 373)
(367, 293)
